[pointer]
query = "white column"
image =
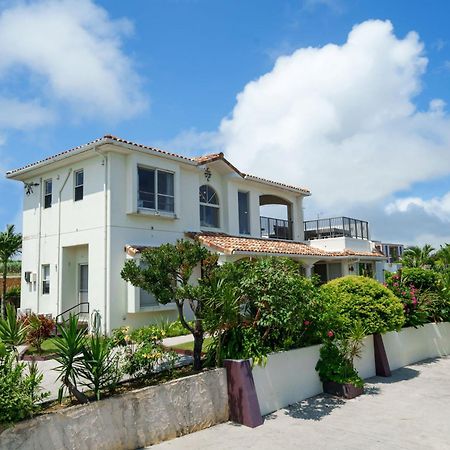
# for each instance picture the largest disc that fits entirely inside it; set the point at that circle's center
(308, 270)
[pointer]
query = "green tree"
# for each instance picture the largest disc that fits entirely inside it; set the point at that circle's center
(165, 272)
(419, 257)
(10, 246)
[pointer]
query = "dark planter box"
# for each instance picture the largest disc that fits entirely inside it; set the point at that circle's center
(345, 390)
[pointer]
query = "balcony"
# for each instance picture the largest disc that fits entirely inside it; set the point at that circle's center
(272, 228)
(336, 227)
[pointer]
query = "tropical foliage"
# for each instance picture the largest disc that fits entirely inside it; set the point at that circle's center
(20, 393)
(10, 246)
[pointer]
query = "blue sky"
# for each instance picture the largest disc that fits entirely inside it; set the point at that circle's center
(171, 70)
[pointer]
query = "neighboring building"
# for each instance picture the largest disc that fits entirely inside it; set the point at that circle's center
(88, 209)
(393, 253)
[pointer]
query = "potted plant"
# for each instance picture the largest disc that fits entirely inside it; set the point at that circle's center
(335, 366)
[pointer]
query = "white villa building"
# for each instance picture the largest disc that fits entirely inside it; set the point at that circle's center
(88, 209)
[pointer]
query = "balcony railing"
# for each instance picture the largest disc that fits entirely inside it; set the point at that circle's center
(276, 228)
(336, 227)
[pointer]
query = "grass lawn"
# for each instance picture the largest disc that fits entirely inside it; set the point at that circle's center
(48, 346)
(190, 345)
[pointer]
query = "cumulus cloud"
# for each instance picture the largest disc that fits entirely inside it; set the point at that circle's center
(341, 120)
(71, 54)
(438, 206)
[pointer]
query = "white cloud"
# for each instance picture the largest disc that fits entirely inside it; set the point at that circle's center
(71, 52)
(438, 206)
(342, 120)
(22, 115)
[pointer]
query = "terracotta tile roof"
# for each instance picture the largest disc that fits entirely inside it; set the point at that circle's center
(103, 140)
(265, 180)
(209, 158)
(238, 244)
(200, 160)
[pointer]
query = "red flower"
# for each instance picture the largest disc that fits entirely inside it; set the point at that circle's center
(306, 323)
(330, 334)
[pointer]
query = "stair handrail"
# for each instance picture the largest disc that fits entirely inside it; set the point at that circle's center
(70, 309)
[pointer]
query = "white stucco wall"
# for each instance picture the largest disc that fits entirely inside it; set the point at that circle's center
(411, 345)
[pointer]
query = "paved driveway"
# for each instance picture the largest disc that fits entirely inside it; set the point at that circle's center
(411, 410)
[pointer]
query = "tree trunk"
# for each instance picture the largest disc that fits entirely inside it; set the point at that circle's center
(198, 344)
(2, 306)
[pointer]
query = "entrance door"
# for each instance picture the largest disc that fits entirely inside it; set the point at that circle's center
(83, 279)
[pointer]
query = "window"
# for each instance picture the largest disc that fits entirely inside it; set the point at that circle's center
(46, 279)
(244, 216)
(48, 187)
(156, 190)
(147, 299)
(79, 185)
(209, 207)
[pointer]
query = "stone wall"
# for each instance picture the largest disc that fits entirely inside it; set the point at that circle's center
(129, 421)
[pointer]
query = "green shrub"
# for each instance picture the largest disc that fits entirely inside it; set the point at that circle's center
(337, 356)
(174, 328)
(422, 279)
(355, 299)
(256, 307)
(12, 330)
(19, 390)
(99, 365)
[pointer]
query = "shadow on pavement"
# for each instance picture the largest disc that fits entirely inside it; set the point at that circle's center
(403, 374)
(314, 408)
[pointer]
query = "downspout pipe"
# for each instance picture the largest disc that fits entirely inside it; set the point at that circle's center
(38, 270)
(58, 296)
(106, 309)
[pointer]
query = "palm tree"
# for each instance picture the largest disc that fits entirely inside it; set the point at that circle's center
(418, 257)
(10, 246)
(442, 257)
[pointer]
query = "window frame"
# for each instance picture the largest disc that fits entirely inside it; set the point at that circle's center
(156, 194)
(78, 186)
(206, 204)
(48, 182)
(45, 283)
(247, 216)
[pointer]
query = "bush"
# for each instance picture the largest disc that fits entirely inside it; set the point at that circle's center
(256, 307)
(146, 353)
(175, 328)
(39, 328)
(13, 296)
(422, 279)
(415, 309)
(12, 330)
(19, 391)
(355, 299)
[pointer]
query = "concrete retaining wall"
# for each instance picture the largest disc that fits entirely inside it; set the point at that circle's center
(411, 345)
(129, 421)
(290, 376)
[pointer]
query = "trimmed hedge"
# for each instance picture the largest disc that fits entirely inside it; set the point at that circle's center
(357, 298)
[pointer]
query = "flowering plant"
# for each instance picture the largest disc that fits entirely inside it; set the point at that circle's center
(415, 310)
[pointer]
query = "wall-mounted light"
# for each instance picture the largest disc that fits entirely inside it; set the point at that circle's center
(351, 268)
(29, 187)
(208, 174)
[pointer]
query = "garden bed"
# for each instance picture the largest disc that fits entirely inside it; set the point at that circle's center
(132, 420)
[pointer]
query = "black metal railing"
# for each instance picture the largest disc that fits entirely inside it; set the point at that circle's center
(82, 312)
(336, 227)
(276, 228)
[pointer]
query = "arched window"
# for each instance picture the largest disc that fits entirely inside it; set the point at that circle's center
(209, 207)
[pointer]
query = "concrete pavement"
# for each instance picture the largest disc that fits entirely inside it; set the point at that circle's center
(411, 410)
